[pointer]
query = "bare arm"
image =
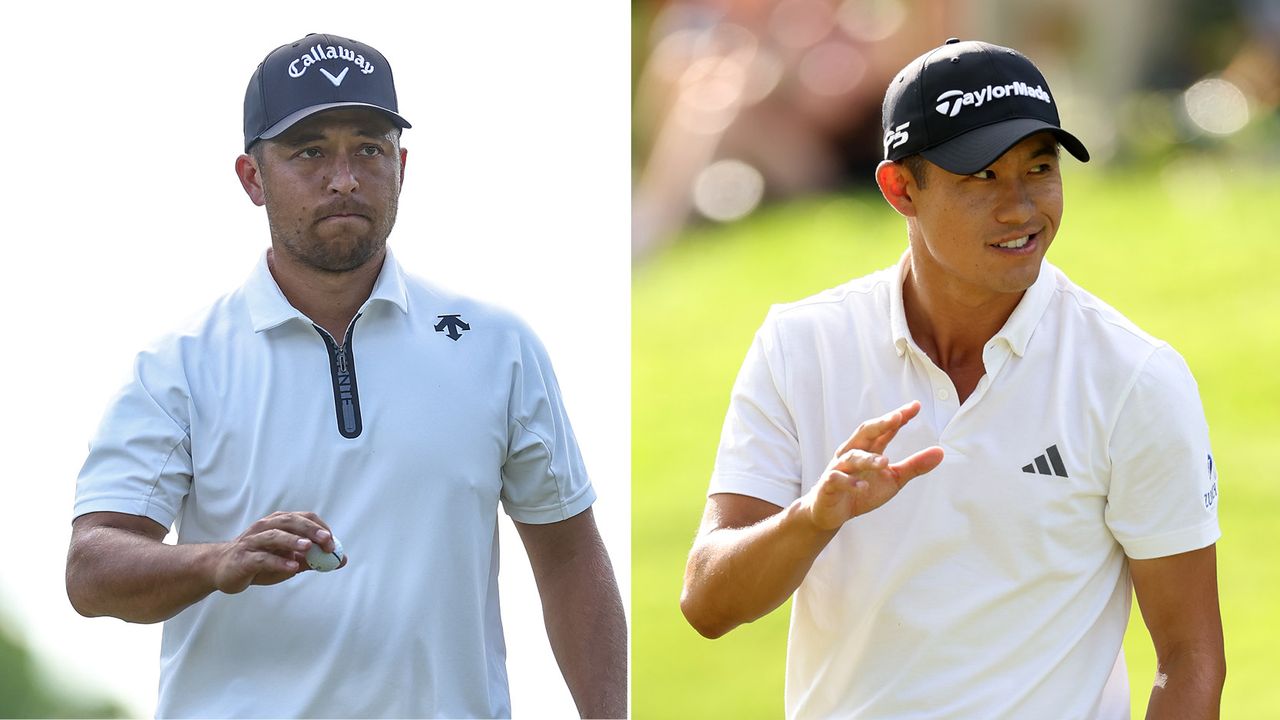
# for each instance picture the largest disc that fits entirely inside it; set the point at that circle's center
(751, 555)
(1178, 596)
(582, 610)
(118, 564)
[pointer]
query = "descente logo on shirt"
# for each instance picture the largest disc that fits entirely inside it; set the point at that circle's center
(299, 66)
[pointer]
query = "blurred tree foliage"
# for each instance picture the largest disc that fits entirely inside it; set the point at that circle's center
(24, 695)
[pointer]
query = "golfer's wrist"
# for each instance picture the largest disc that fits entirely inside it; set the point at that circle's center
(800, 517)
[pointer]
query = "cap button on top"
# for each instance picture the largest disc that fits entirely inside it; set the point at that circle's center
(951, 41)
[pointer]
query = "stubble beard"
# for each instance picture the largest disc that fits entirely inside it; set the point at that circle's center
(336, 254)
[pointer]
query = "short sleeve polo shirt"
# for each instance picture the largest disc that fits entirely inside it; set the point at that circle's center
(996, 586)
(405, 436)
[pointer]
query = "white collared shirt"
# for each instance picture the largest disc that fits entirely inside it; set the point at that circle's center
(405, 445)
(995, 586)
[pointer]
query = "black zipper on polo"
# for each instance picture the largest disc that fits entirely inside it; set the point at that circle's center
(342, 369)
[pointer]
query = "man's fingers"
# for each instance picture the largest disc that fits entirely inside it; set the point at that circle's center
(867, 432)
(277, 541)
(261, 562)
(909, 410)
(904, 415)
(838, 482)
(873, 432)
(918, 464)
(303, 524)
(263, 558)
(857, 461)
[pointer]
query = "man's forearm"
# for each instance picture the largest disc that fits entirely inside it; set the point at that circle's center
(1188, 686)
(588, 632)
(737, 575)
(115, 572)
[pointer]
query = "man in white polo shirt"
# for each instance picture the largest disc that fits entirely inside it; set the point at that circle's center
(334, 394)
(1066, 451)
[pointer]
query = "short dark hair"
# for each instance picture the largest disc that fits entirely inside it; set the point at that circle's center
(918, 166)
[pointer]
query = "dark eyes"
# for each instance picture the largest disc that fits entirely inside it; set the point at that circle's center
(990, 174)
(364, 151)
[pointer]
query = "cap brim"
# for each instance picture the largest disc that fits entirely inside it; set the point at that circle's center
(294, 118)
(978, 148)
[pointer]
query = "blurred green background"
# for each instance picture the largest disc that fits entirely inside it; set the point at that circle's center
(755, 135)
(29, 690)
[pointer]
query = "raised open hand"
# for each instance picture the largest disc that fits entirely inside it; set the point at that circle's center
(859, 478)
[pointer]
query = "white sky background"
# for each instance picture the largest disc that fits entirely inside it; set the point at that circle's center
(123, 216)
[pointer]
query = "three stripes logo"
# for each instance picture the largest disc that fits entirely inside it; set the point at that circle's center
(1041, 465)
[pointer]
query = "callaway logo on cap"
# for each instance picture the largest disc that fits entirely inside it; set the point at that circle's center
(962, 105)
(318, 72)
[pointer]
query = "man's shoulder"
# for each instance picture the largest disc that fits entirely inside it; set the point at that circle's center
(209, 325)
(869, 293)
(1098, 317)
(1116, 347)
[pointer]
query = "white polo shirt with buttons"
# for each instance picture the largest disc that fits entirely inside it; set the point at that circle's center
(405, 436)
(995, 586)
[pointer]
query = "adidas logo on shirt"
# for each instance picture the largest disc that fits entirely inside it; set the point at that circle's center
(1041, 465)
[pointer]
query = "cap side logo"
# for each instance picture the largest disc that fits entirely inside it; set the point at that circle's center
(896, 136)
(317, 53)
(952, 101)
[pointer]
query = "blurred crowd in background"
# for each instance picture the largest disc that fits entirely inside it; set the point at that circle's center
(743, 102)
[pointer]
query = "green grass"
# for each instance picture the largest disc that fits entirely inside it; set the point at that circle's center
(1198, 269)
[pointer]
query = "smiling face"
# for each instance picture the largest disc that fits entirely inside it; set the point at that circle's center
(331, 186)
(985, 234)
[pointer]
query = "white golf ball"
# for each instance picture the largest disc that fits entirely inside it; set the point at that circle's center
(323, 561)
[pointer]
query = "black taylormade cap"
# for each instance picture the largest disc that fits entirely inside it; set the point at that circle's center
(316, 73)
(962, 105)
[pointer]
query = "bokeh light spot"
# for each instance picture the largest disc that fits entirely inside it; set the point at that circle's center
(800, 23)
(727, 190)
(871, 20)
(832, 68)
(1216, 106)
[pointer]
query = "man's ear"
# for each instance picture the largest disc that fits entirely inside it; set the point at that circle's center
(404, 158)
(896, 184)
(251, 179)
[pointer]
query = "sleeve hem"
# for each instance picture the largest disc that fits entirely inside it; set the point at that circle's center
(128, 506)
(1180, 541)
(574, 505)
(779, 492)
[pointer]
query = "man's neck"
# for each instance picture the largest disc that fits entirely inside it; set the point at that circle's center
(330, 299)
(950, 321)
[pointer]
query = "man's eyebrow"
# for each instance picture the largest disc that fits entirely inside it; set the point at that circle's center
(373, 133)
(1045, 149)
(304, 137)
(301, 138)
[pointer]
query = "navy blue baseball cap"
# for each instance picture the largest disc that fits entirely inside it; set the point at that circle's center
(316, 73)
(964, 104)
